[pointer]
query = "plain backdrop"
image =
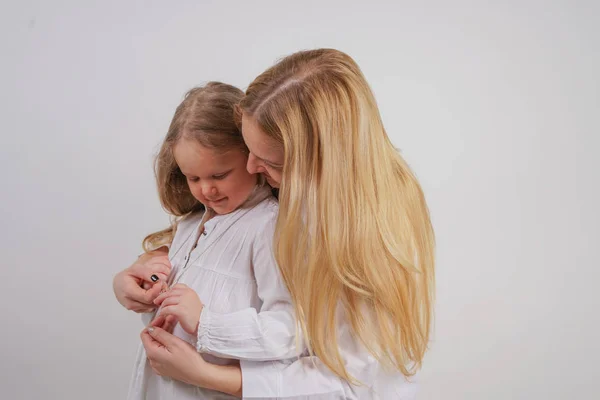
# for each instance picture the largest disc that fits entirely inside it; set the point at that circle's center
(494, 104)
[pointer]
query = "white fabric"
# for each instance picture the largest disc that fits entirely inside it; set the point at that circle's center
(307, 378)
(247, 314)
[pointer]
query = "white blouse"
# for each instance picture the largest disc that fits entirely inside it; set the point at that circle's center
(247, 311)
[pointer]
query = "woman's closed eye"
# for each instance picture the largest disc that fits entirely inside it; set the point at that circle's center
(271, 165)
(276, 167)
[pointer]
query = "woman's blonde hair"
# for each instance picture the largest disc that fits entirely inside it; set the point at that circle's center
(354, 233)
(206, 115)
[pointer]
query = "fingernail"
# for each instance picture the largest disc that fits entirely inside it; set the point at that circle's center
(154, 278)
(150, 329)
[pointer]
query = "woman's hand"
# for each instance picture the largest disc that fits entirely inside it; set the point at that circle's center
(127, 284)
(172, 357)
(182, 303)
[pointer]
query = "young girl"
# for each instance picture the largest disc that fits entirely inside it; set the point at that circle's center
(224, 290)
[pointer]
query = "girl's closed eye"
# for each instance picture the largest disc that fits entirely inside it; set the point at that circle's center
(221, 176)
(193, 178)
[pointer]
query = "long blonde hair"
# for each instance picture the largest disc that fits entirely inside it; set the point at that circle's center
(354, 233)
(206, 115)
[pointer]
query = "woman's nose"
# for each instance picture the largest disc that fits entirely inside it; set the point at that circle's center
(254, 166)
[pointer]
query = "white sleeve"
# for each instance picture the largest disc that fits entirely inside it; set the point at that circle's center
(269, 334)
(307, 378)
(304, 378)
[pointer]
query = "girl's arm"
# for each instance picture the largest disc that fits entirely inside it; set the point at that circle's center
(269, 334)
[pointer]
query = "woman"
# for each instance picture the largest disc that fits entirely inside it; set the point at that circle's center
(353, 241)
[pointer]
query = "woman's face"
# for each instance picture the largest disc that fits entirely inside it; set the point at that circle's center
(266, 154)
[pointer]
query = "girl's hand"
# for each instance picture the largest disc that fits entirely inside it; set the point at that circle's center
(184, 304)
(165, 323)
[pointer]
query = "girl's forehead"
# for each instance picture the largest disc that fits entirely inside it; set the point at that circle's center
(193, 156)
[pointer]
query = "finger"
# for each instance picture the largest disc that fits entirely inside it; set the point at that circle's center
(159, 299)
(152, 272)
(158, 276)
(140, 308)
(152, 293)
(165, 322)
(159, 320)
(144, 271)
(167, 294)
(133, 302)
(170, 322)
(134, 293)
(164, 261)
(181, 286)
(171, 301)
(159, 262)
(171, 310)
(154, 278)
(152, 347)
(159, 271)
(162, 337)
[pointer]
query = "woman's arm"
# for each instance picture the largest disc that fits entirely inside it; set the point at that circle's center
(305, 378)
(173, 357)
(302, 378)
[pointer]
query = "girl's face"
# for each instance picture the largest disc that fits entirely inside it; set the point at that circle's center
(218, 180)
(266, 154)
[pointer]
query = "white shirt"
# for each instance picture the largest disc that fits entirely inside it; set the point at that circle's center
(247, 311)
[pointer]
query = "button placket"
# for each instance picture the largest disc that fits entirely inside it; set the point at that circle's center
(195, 249)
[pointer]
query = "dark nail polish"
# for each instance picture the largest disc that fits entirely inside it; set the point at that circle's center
(154, 278)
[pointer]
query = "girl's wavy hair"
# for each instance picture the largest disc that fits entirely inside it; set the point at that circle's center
(206, 115)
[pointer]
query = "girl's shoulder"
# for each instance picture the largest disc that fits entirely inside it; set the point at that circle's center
(186, 224)
(263, 212)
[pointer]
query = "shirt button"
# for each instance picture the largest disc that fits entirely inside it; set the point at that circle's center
(185, 258)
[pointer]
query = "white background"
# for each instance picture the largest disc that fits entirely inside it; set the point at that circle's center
(495, 106)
